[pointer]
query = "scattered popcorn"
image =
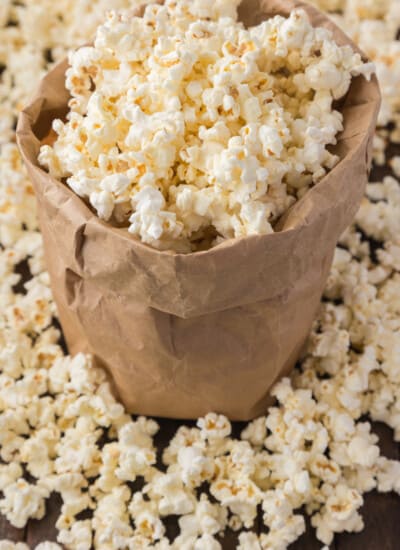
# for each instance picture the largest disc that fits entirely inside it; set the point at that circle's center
(255, 432)
(183, 125)
(374, 25)
(60, 423)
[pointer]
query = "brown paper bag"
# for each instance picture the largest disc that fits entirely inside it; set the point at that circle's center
(185, 334)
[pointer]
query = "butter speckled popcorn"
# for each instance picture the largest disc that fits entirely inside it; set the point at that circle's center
(184, 126)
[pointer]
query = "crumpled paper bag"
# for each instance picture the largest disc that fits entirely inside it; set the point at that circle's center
(181, 335)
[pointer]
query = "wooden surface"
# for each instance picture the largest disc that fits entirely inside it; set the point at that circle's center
(381, 512)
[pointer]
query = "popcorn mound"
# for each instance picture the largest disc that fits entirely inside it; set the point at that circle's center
(311, 450)
(189, 129)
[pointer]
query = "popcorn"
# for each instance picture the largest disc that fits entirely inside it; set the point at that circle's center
(111, 521)
(79, 535)
(214, 427)
(240, 496)
(22, 501)
(71, 487)
(194, 466)
(78, 450)
(171, 495)
(208, 519)
(339, 514)
(311, 450)
(170, 140)
(283, 537)
(149, 526)
(388, 477)
(184, 437)
(325, 469)
(38, 452)
(360, 452)
(374, 26)
(255, 432)
(135, 454)
(9, 473)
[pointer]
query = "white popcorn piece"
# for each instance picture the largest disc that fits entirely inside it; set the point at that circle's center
(207, 519)
(171, 495)
(194, 466)
(388, 476)
(283, 537)
(38, 452)
(22, 501)
(78, 534)
(361, 452)
(255, 432)
(149, 525)
(184, 437)
(111, 520)
(240, 496)
(339, 514)
(135, 454)
(214, 427)
(9, 473)
(78, 450)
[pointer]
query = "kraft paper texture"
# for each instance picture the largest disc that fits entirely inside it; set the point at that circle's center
(181, 335)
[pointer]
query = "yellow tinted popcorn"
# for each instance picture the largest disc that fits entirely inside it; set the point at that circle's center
(374, 24)
(183, 122)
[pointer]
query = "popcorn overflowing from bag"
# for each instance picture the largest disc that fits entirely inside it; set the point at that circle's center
(311, 451)
(184, 124)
